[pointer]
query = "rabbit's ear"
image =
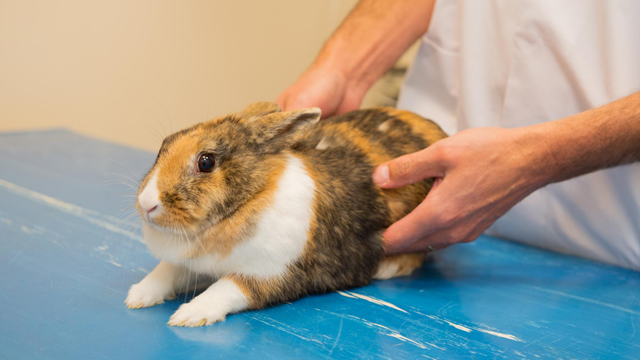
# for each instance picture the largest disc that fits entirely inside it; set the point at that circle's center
(279, 130)
(257, 110)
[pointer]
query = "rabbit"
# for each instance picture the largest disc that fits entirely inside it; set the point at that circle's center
(265, 206)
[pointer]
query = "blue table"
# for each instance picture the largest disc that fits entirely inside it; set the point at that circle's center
(69, 254)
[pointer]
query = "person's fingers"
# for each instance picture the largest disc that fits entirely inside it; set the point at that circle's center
(436, 222)
(291, 100)
(459, 233)
(429, 243)
(432, 242)
(409, 169)
(351, 101)
(420, 246)
(296, 101)
(418, 224)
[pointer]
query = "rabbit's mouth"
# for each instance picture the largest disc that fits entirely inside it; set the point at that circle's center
(175, 230)
(151, 214)
(169, 243)
(158, 227)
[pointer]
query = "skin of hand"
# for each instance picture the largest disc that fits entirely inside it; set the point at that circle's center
(482, 172)
(370, 40)
(325, 87)
(466, 198)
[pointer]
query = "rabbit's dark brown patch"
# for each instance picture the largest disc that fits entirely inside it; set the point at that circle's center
(350, 211)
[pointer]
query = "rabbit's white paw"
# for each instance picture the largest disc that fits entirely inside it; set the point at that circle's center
(147, 293)
(196, 314)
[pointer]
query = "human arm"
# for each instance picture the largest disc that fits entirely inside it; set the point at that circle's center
(481, 173)
(369, 41)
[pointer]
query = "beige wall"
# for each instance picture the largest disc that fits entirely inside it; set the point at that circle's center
(131, 71)
(123, 70)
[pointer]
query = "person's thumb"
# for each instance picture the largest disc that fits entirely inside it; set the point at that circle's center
(408, 169)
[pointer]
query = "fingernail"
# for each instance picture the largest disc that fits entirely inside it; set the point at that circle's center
(381, 174)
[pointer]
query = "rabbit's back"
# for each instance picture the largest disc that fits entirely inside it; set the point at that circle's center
(349, 147)
(379, 133)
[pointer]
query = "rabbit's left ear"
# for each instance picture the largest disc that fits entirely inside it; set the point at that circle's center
(257, 110)
(280, 130)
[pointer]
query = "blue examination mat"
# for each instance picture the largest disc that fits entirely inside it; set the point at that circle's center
(71, 248)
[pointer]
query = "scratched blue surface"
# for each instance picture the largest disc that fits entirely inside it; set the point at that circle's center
(64, 273)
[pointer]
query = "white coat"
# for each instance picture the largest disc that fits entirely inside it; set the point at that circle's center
(520, 63)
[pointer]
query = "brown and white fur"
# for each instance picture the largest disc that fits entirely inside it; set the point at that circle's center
(289, 209)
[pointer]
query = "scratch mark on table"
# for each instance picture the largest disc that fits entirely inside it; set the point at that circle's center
(535, 342)
(633, 325)
(92, 216)
(372, 299)
(611, 306)
(335, 343)
(27, 230)
(469, 329)
(494, 333)
(395, 334)
(6, 296)
(277, 325)
(459, 327)
(519, 354)
(115, 263)
(19, 253)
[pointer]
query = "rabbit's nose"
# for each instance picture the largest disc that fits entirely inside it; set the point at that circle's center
(149, 198)
(148, 206)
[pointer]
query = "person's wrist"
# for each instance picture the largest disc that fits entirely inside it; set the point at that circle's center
(337, 59)
(537, 157)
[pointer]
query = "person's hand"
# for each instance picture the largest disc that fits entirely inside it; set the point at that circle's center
(324, 87)
(480, 174)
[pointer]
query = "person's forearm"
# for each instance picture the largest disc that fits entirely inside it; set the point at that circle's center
(589, 141)
(373, 37)
(481, 173)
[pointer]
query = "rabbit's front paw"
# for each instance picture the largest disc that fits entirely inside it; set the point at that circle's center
(146, 294)
(196, 314)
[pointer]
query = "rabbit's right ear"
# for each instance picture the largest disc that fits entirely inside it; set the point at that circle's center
(258, 110)
(280, 130)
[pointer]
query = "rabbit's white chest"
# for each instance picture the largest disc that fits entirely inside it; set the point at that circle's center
(281, 234)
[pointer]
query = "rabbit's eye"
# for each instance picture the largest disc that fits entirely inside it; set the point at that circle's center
(206, 163)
